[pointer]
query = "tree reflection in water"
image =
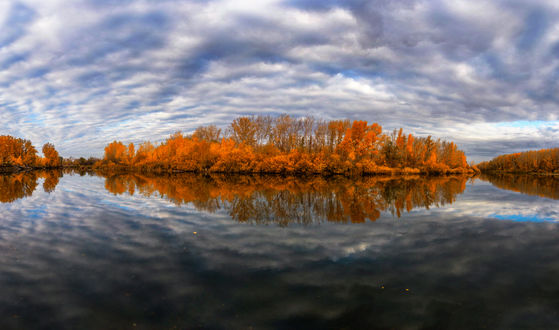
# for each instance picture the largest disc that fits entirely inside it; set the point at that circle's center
(51, 179)
(535, 185)
(20, 185)
(16, 186)
(284, 200)
(268, 199)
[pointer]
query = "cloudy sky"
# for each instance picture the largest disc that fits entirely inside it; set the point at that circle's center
(85, 72)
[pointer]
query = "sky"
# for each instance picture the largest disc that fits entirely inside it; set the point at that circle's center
(83, 73)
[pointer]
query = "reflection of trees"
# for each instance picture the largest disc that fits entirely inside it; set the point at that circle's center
(16, 186)
(536, 185)
(20, 185)
(283, 200)
(51, 179)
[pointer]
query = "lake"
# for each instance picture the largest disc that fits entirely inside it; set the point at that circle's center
(117, 251)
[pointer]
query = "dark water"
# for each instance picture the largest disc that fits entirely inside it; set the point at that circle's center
(134, 251)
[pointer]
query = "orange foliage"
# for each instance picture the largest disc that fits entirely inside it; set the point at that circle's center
(52, 159)
(288, 145)
(18, 152)
(543, 161)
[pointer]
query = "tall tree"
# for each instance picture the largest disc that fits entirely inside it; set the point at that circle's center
(52, 158)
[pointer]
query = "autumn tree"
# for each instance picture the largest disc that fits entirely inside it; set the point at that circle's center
(243, 130)
(336, 131)
(115, 152)
(208, 133)
(360, 140)
(131, 153)
(289, 145)
(52, 158)
(15, 151)
(545, 161)
(283, 133)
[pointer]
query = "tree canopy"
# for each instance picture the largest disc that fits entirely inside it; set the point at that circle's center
(284, 144)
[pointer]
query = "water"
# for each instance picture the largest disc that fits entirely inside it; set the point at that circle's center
(134, 251)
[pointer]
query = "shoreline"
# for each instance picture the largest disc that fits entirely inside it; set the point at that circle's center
(21, 169)
(385, 172)
(521, 173)
(388, 172)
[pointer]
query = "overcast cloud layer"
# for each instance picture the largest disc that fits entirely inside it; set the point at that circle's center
(83, 73)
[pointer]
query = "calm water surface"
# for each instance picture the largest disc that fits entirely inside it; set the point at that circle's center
(134, 251)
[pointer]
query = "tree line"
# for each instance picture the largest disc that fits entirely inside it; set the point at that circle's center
(16, 152)
(284, 144)
(540, 161)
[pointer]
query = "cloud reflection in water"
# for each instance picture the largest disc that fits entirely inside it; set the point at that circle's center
(92, 259)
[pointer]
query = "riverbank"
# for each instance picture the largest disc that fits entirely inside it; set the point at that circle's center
(377, 170)
(14, 169)
(535, 173)
(20, 169)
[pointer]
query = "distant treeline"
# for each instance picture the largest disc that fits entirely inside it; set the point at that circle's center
(540, 161)
(20, 153)
(265, 144)
(80, 162)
